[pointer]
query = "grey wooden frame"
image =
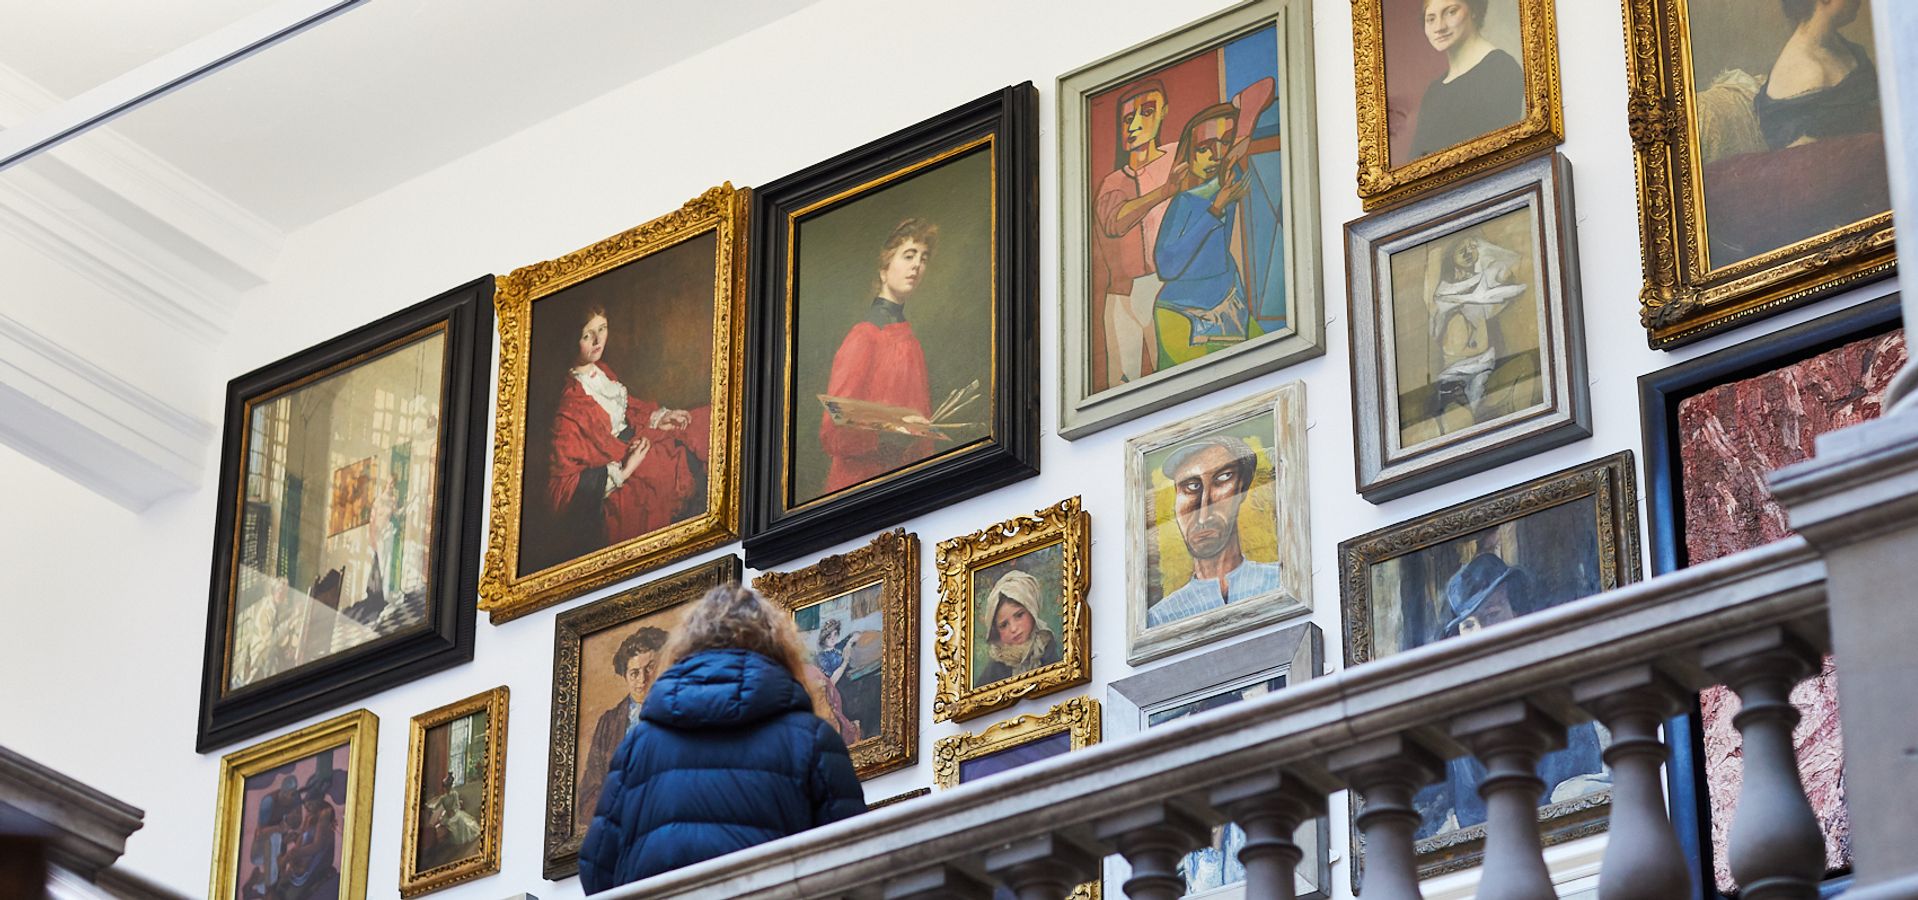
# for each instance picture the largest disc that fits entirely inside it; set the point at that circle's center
(1385, 469)
(1081, 414)
(1293, 526)
(1296, 652)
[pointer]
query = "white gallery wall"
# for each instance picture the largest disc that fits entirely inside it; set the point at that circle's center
(104, 609)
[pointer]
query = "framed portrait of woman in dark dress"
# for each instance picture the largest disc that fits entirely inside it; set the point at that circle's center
(1451, 88)
(894, 316)
(615, 442)
(1761, 158)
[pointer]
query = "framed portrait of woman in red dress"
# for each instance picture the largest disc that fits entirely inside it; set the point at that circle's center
(893, 310)
(618, 408)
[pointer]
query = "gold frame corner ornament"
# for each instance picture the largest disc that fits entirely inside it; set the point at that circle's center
(892, 560)
(358, 731)
(1381, 184)
(504, 593)
(413, 881)
(1065, 524)
(1685, 297)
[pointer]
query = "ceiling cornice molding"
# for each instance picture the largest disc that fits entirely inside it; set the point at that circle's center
(93, 426)
(170, 243)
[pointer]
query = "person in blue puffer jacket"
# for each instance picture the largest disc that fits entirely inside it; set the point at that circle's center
(730, 750)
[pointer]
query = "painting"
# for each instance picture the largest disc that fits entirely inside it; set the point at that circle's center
(1217, 524)
(1467, 332)
(1565, 536)
(606, 655)
(617, 427)
(1707, 464)
(1012, 618)
(295, 814)
(1761, 158)
(1190, 215)
(857, 615)
(455, 791)
(1449, 89)
(894, 294)
(1220, 677)
(1003, 746)
(348, 523)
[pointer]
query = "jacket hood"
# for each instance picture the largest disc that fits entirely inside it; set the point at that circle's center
(723, 689)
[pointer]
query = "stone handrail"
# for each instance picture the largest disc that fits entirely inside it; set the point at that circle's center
(1377, 728)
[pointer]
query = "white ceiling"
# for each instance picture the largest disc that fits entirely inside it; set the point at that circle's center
(371, 98)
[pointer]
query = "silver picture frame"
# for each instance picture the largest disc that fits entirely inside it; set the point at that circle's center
(1279, 523)
(1082, 410)
(1293, 654)
(1389, 465)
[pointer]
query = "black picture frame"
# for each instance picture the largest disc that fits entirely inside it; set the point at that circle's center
(466, 314)
(1659, 394)
(775, 531)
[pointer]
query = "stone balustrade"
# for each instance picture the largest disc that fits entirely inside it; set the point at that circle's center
(1754, 621)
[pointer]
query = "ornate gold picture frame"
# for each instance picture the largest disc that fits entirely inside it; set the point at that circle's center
(1382, 50)
(307, 795)
(1012, 617)
(1797, 219)
(858, 617)
(644, 330)
(455, 791)
(1067, 726)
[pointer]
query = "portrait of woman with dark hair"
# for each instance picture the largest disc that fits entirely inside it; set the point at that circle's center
(620, 465)
(1482, 88)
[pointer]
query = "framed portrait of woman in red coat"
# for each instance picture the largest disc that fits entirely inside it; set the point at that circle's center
(618, 409)
(893, 305)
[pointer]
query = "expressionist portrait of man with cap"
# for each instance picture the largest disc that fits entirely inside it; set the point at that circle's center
(1210, 477)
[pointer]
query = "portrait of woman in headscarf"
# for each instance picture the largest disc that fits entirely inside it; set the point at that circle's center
(1018, 640)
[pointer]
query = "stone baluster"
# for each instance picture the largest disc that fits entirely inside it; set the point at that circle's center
(1386, 772)
(1643, 860)
(1509, 738)
(1043, 867)
(1153, 838)
(940, 882)
(1777, 850)
(1269, 808)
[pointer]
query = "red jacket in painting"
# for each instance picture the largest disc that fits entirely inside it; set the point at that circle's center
(667, 485)
(880, 360)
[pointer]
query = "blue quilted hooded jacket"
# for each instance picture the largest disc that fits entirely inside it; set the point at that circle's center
(727, 754)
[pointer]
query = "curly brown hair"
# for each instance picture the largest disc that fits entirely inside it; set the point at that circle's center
(734, 617)
(920, 230)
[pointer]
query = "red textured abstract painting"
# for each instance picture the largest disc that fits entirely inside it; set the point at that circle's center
(1729, 437)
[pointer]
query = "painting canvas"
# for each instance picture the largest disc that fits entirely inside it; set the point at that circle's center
(1702, 424)
(347, 533)
(292, 829)
(844, 639)
(1454, 71)
(1013, 757)
(1790, 140)
(892, 327)
(1217, 520)
(1465, 318)
(1186, 185)
(616, 428)
(326, 577)
(454, 780)
(606, 656)
(1017, 619)
(619, 406)
(893, 304)
(1555, 540)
